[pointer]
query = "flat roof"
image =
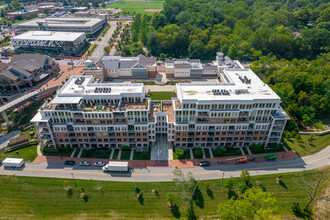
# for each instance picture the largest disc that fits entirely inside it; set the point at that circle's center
(49, 35)
(39, 118)
(118, 164)
(66, 21)
(235, 86)
(88, 88)
(13, 160)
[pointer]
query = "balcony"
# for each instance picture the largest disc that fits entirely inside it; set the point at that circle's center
(203, 114)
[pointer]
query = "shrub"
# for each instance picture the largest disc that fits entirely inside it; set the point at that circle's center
(256, 148)
(179, 152)
(218, 152)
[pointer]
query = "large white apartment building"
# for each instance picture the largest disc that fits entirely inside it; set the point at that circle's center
(240, 110)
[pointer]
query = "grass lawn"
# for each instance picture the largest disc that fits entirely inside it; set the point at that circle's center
(115, 154)
(161, 95)
(27, 153)
(28, 133)
(125, 154)
(195, 156)
(207, 153)
(64, 152)
(306, 147)
(136, 7)
(276, 148)
(38, 197)
(141, 155)
(102, 154)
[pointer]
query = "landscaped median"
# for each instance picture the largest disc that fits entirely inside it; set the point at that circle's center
(90, 52)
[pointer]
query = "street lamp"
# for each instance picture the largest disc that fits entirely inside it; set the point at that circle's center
(74, 180)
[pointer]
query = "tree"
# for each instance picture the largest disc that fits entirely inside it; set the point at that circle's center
(170, 198)
(254, 204)
(16, 5)
(311, 186)
(229, 186)
(158, 20)
(189, 187)
(2, 14)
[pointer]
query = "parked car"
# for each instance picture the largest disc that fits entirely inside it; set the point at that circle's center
(70, 63)
(99, 164)
(204, 163)
(69, 162)
(85, 163)
(57, 58)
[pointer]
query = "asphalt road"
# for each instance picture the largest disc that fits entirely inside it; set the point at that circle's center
(157, 174)
(99, 51)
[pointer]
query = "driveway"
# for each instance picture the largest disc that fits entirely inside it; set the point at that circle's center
(5, 139)
(160, 150)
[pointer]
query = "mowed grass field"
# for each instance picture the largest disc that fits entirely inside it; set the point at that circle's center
(307, 147)
(136, 7)
(46, 198)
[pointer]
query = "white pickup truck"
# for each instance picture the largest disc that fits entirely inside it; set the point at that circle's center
(114, 166)
(13, 162)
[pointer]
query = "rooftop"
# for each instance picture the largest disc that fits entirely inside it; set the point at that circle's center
(240, 84)
(49, 36)
(117, 62)
(67, 21)
(78, 86)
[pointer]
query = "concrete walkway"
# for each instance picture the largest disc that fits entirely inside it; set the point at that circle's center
(119, 155)
(73, 152)
(131, 155)
(80, 152)
(111, 154)
(191, 153)
(248, 149)
(170, 153)
(242, 151)
(204, 156)
(39, 150)
(211, 153)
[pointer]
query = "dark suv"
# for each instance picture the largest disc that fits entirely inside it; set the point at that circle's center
(69, 162)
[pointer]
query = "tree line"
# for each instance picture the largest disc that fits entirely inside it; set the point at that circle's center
(244, 30)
